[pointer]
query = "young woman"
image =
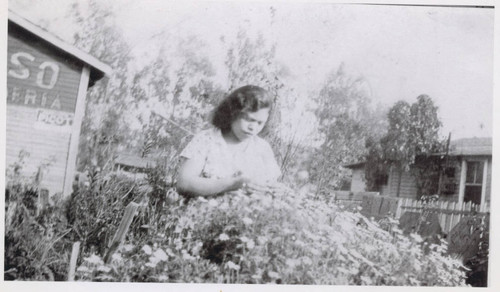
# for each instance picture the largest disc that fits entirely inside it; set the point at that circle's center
(231, 156)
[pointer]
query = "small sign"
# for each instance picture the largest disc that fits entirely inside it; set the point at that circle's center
(52, 120)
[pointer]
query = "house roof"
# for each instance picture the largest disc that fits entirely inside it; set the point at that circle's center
(98, 69)
(136, 161)
(471, 146)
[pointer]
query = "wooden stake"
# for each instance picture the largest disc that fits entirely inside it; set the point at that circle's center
(72, 263)
(122, 230)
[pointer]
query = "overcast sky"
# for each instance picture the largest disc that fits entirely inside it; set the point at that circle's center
(402, 52)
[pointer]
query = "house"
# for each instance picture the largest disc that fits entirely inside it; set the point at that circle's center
(47, 82)
(358, 180)
(465, 174)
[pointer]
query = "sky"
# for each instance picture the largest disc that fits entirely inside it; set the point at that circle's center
(400, 51)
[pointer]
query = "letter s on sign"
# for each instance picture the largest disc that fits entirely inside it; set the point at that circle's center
(53, 78)
(22, 72)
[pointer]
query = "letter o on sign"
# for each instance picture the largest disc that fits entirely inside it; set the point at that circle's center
(44, 67)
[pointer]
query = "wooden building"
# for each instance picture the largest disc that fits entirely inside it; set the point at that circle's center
(358, 180)
(465, 176)
(47, 81)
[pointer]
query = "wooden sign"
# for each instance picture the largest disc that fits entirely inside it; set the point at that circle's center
(47, 82)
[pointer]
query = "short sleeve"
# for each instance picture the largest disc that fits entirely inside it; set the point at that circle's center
(197, 147)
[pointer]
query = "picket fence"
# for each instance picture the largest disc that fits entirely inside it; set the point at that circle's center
(376, 206)
(449, 213)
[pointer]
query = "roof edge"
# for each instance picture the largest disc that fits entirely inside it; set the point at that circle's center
(50, 38)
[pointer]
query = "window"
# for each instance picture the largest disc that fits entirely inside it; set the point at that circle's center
(473, 182)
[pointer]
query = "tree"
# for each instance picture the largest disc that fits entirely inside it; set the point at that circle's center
(413, 131)
(346, 120)
(104, 126)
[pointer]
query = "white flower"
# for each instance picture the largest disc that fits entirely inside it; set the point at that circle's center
(160, 255)
(127, 247)
(307, 260)
(186, 256)
(416, 237)
(247, 221)
(163, 278)
(147, 249)
(117, 257)
(103, 268)
(223, 237)
(82, 269)
(170, 252)
(250, 244)
(291, 262)
(202, 199)
(212, 203)
(94, 259)
(261, 240)
(196, 249)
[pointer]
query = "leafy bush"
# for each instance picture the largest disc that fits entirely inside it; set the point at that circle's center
(96, 209)
(281, 237)
(277, 238)
(33, 242)
(477, 275)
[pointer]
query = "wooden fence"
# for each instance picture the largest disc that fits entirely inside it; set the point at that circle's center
(448, 213)
(351, 200)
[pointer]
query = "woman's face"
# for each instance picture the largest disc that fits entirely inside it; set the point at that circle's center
(249, 124)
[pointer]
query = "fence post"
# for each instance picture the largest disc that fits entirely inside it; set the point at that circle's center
(43, 201)
(72, 263)
(122, 230)
(398, 209)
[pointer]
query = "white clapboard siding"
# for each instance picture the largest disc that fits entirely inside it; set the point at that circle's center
(41, 145)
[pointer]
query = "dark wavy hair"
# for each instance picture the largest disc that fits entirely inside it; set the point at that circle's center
(249, 98)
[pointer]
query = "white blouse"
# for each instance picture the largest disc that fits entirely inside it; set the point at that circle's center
(255, 158)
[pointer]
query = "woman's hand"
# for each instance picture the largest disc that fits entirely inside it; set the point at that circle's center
(248, 185)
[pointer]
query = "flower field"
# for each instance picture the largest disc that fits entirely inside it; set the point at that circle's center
(281, 237)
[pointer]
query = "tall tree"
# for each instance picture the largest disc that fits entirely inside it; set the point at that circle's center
(103, 126)
(413, 131)
(346, 120)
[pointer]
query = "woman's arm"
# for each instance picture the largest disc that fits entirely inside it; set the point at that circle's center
(189, 181)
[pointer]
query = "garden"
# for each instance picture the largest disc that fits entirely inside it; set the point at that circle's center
(156, 99)
(282, 237)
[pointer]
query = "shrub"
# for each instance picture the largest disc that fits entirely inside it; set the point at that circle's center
(281, 238)
(34, 244)
(95, 210)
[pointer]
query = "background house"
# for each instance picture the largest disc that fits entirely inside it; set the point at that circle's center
(465, 175)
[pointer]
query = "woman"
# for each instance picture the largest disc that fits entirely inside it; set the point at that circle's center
(231, 155)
